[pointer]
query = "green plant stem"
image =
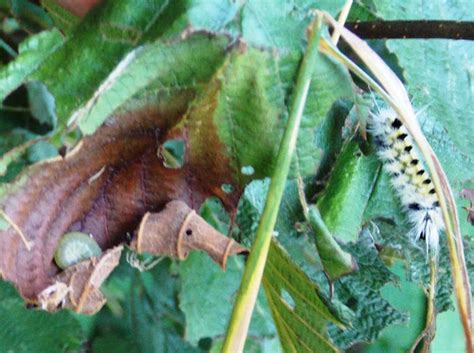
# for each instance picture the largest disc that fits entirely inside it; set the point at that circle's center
(252, 277)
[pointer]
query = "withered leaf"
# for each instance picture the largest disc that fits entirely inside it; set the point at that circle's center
(177, 230)
(103, 188)
(77, 287)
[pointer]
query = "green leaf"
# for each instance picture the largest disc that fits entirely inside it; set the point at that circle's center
(260, 79)
(331, 82)
(281, 24)
(348, 191)
(407, 297)
(24, 331)
(207, 295)
(113, 343)
(63, 19)
(450, 337)
(41, 103)
(13, 146)
(30, 15)
(96, 46)
(172, 68)
(143, 311)
(212, 15)
(13, 155)
(290, 229)
(299, 313)
(32, 52)
(360, 291)
(251, 77)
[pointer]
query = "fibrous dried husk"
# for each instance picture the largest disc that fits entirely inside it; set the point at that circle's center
(78, 286)
(177, 230)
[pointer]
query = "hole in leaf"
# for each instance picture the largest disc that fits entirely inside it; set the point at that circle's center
(287, 298)
(172, 153)
(247, 170)
(189, 232)
(227, 188)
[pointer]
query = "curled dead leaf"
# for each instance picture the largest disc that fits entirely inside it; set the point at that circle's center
(177, 230)
(103, 188)
(78, 286)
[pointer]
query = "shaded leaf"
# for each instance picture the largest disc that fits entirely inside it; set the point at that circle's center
(30, 15)
(23, 330)
(41, 104)
(32, 53)
(62, 18)
(207, 296)
(94, 48)
(145, 314)
(14, 154)
(360, 291)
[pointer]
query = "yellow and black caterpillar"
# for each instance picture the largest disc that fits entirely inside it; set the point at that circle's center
(410, 179)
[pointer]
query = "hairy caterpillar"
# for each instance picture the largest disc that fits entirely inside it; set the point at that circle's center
(410, 179)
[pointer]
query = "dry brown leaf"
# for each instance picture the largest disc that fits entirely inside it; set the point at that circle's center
(78, 286)
(177, 230)
(103, 188)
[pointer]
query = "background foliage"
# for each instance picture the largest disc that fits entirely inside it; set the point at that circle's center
(59, 79)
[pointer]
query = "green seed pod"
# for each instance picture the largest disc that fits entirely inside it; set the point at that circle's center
(75, 247)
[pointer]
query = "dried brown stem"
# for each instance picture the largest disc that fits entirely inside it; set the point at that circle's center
(423, 29)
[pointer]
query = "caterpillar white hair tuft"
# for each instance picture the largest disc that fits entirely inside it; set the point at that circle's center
(396, 149)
